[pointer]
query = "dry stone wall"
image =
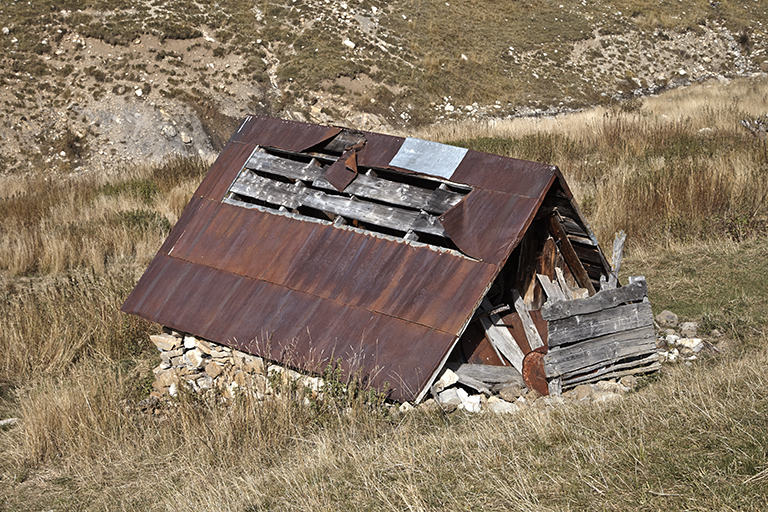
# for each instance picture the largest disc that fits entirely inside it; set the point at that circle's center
(203, 366)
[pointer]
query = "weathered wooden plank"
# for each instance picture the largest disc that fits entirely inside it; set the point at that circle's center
(284, 167)
(553, 291)
(571, 259)
(580, 240)
(570, 211)
(599, 351)
(563, 284)
(648, 350)
(436, 201)
(488, 374)
(264, 189)
(606, 299)
(581, 327)
(531, 334)
(644, 365)
(573, 228)
(618, 249)
(475, 384)
(588, 255)
(500, 337)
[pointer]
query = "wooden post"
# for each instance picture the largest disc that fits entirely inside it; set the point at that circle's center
(500, 337)
(566, 249)
(534, 339)
(618, 249)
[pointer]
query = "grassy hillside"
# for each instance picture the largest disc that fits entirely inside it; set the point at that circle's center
(96, 85)
(75, 371)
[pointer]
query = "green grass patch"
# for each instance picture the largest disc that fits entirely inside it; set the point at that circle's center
(724, 285)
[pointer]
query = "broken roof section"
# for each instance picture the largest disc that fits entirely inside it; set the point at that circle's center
(308, 244)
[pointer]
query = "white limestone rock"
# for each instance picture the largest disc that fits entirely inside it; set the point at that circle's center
(446, 380)
(165, 342)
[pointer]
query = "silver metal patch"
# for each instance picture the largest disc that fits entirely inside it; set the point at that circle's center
(428, 157)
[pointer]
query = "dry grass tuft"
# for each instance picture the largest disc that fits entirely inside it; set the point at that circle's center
(50, 323)
(49, 227)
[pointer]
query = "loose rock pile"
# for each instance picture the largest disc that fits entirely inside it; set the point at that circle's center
(517, 397)
(678, 341)
(202, 366)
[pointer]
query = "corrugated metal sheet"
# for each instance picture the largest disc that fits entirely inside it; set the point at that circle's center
(281, 133)
(487, 224)
(307, 292)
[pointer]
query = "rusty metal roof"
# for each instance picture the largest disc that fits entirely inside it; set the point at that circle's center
(306, 291)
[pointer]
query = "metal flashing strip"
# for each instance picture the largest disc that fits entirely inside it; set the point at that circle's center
(428, 157)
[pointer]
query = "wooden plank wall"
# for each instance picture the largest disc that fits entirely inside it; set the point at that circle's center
(605, 336)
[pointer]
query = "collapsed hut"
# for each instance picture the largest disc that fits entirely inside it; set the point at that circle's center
(395, 258)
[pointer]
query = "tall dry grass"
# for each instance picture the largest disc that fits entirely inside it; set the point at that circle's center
(675, 167)
(694, 439)
(50, 323)
(50, 226)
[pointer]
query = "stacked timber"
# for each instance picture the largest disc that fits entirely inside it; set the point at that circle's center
(605, 336)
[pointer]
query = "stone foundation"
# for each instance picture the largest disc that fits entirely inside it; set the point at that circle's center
(203, 366)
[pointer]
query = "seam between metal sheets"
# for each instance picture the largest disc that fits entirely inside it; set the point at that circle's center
(346, 304)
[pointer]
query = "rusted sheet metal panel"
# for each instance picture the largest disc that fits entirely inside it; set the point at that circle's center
(341, 173)
(493, 172)
(289, 325)
(379, 150)
(487, 225)
(283, 134)
(190, 212)
(418, 284)
(224, 170)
